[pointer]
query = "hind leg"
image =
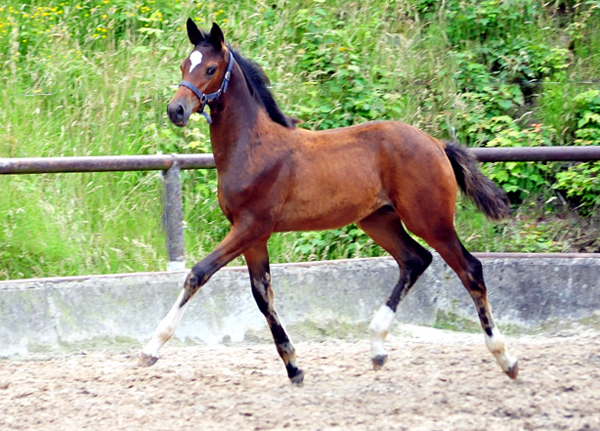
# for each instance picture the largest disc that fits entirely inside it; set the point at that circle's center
(470, 271)
(385, 228)
(257, 259)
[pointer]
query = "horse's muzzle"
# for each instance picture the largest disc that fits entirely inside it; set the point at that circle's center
(179, 113)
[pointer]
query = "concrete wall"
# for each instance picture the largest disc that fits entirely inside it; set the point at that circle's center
(56, 311)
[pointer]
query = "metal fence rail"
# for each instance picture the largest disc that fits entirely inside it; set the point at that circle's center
(53, 165)
(172, 164)
(537, 154)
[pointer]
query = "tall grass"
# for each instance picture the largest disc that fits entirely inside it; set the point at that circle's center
(93, 77)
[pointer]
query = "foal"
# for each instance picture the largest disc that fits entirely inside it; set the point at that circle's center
(274, 177)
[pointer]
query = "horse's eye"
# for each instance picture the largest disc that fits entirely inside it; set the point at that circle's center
(211, 70)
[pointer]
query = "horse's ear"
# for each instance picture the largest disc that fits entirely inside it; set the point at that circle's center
(216, 36)
(194, 33)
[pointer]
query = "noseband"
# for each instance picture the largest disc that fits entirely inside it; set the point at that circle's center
(207, 98)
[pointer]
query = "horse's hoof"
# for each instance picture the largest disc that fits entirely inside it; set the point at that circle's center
(378, 361)
(513, 371)
(146, 360)
(298, 379)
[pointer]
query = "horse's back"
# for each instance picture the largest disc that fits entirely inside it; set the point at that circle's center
(401, 139)
(388, 149)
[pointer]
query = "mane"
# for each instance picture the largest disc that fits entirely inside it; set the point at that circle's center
(259, 87)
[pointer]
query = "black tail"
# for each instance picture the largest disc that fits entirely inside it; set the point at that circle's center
(488, 197)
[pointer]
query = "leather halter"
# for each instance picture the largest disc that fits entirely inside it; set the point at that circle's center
(207, 98)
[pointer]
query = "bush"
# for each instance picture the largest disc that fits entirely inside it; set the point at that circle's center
(581, 182)
(520, 179)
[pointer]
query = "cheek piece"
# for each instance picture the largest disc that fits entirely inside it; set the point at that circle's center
(207, 98)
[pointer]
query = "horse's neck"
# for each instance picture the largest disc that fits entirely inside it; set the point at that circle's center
(233, 119)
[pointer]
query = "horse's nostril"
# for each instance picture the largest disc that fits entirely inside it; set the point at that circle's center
(176, 113)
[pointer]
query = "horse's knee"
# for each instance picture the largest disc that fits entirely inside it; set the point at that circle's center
(417, 264)
(475, 269)
(197, 277)
(421, 262)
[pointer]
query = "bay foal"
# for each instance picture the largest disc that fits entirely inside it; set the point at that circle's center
(385, 176)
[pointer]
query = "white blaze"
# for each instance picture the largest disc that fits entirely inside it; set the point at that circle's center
(196, 59)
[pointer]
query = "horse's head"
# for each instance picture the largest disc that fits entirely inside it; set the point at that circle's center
(205, 74)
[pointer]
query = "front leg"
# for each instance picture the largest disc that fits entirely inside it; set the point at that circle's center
(257, 259)
(238, 240)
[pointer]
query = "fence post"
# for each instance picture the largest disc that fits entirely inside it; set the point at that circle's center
(174, 217)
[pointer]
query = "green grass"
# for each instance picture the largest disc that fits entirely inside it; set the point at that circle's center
(94, 77)
(453, 322)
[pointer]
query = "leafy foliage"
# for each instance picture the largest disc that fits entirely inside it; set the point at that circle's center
(519, 179)
(582, 181)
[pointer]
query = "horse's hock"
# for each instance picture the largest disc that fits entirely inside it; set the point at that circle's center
(332, 298)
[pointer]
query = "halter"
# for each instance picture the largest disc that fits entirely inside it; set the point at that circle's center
(206, 98)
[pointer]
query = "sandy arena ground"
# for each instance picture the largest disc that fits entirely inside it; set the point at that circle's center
(435, 381)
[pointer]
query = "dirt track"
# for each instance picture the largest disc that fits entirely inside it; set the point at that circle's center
(440, 381)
